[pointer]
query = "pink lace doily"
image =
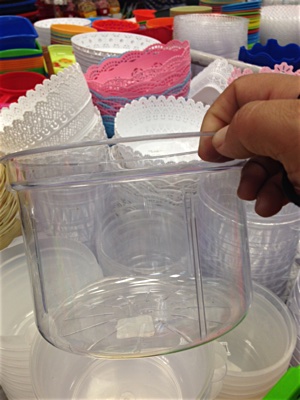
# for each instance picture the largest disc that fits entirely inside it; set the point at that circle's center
(158, 63)
(282, 68)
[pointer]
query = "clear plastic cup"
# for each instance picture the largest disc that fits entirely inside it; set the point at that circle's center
(158, 294)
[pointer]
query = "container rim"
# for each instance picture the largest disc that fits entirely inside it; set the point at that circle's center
(141, 171)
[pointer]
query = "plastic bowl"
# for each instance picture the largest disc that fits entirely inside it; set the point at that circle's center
(160, 22)
(115, 25)
(16, 84)
(16, 32)
(142, 15)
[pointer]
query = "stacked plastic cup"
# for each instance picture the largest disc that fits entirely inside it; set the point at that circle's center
(273, 246)
(221, 35)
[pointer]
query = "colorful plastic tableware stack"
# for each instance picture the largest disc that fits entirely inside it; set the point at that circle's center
(249, 10)
(19, 49)
(22, 60)
(216, 5)
(62, 33)
(160, 69)
(43, 27)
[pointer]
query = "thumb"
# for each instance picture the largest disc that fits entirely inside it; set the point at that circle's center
(265, 128)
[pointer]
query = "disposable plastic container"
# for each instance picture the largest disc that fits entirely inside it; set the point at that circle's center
(260, 348)
(158, 300)
(163, 377)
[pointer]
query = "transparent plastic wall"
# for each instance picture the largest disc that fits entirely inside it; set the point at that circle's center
(131, 256)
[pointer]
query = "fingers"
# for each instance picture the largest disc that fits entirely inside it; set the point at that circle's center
(256, 87)
(261, 179)
(255, 174)
(265, 128)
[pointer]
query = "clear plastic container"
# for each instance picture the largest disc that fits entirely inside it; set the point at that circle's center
(260, 348)
(58, 375)
(163, 289)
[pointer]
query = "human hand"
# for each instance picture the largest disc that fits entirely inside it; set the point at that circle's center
(258, 117)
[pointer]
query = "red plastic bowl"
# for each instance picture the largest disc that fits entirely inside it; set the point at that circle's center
(160, 22)
(16, 84)
(142, 15)
(115, 25)
(164, 33)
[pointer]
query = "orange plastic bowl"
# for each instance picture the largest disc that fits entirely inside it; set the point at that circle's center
(160, 22)
(115, 25)
(142, 15)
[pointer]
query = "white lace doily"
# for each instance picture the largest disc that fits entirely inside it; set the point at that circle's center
(154, 116)
(58, 111)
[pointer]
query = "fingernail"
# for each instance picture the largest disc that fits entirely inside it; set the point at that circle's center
(219, 137)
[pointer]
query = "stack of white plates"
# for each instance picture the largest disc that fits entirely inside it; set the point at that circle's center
(43, 27)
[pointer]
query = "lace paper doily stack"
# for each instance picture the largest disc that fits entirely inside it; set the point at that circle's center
(158, 70)
(57, 112)
(92, 48)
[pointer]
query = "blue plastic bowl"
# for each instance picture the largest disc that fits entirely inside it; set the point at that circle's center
(16, 33)
(271, 54)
